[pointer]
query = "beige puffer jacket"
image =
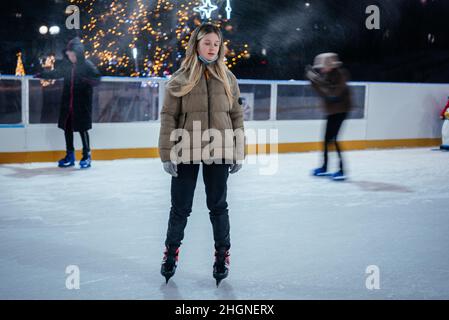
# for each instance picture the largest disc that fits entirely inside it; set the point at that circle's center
(205, 107)
(335, 91)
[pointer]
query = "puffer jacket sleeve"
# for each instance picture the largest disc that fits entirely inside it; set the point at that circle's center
(328, 89)
(59, 72)
(90, 74)
(236, 111)
(236, 114)
(169, 122)
(318, 88)
(339, 88)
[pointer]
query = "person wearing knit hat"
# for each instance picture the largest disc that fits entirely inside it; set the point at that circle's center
(329, 80)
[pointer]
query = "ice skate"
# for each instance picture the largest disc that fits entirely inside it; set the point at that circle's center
(221, 265)
(339, 176)
(169, 262)
(86, 161)
(320, 172)
(68, 160)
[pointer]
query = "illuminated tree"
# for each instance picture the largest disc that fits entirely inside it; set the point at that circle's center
(149, 37)
(20, 70)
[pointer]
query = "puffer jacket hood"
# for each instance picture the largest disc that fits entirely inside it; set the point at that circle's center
(76, 46)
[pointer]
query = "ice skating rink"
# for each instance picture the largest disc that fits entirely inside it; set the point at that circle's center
(293, 236)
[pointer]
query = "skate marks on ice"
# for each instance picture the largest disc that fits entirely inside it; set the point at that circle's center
(380, 186)
(170, 291)
(205, 284)
(41, 275)
(29, 172)
(23, 222)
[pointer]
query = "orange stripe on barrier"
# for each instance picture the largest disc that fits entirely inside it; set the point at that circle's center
(113, 154)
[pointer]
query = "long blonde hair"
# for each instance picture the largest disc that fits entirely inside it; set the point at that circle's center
(189, 75)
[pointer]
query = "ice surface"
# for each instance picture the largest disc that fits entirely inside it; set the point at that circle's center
(293, 236)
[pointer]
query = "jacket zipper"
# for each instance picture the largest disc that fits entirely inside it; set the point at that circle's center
(208, 102)
(208, 106)
(184, 121)
(70, 115)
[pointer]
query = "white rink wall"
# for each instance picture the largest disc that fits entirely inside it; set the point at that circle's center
(405, 111)
(392, 111)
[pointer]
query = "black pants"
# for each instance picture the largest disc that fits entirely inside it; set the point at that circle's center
(215, 178)
(333, 126)
(68, 133)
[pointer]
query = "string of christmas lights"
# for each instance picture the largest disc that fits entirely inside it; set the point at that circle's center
(48, 64)
(148, 38)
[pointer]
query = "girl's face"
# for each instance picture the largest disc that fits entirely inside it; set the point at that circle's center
(209, 46)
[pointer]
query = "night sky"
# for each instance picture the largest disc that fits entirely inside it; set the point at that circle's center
(412, 44)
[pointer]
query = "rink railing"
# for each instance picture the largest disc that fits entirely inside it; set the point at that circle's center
(126, 117)
(26, 101)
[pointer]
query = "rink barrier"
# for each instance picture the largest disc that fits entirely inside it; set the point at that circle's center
(138, 153)
(392, 115)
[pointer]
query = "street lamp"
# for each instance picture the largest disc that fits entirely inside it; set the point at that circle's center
(135, 59)
(54, 30)
(43, 30)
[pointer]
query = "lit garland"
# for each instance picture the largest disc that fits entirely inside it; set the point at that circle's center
(48, 64)
(128, 37)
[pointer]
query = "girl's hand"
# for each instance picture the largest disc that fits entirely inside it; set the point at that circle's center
(171, 168)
